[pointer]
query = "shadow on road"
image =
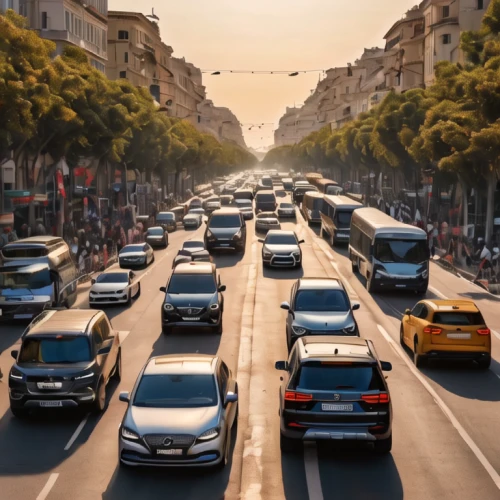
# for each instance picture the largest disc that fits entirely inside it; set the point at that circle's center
(294, 476)
(282, 274)
(227, 259)
(202, 340)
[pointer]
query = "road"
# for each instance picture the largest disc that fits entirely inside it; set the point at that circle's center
(446, 418)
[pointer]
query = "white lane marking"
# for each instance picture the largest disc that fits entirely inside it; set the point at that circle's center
(122, 335)
(496, 334)
(48, 486)
(436, 292)
(350, 289)
(444, 408)
(75, 435)
(313, 478)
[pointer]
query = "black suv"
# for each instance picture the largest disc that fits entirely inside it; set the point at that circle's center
(193, 298)
(334, 389)
(67, 358)
(226, 230)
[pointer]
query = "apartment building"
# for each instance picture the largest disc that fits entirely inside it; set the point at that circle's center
(67, 22)
(9, 4)
(286, 133)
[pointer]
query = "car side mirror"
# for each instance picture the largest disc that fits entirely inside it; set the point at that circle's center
(281, 365)
(260, 240)
(222, 288)
(163, 289)
(206, 221)
(231, 397)
(104, 350)
(355, 306)
(14, 353)
(408, 312)
(92, 281)
(124, 396)
(386, 366)
(301, 241)
(285, 306)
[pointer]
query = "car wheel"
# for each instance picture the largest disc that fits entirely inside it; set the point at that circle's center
(100, 400)
(370, 287)
(419, 360)
(288, 445)
(129, 298)
(484, 364)
(401, 337)
(383, 446)
(19, 412)
(138, 294)
(117, 370)
(166, 330)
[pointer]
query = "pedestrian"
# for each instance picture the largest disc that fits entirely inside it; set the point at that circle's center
(40, 228)
(25, 231)
(485, 259)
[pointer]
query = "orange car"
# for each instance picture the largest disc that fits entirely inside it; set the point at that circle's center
(446, 329)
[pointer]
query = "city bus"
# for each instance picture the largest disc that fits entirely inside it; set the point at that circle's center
(312, 176)
(312, 206)
(336, 218)
(389, 254)
(327, 186)
(36, 273)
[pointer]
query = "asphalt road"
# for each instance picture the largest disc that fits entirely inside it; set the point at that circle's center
(446, 418)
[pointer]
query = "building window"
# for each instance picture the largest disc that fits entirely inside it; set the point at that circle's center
(480, 4)
(123, 74)
(446, 39)
(334, 93)
(446, 11)
(44, 21)
(125, 57)
(122, 35)
(347, 90)
(97, 65)
(67, 20)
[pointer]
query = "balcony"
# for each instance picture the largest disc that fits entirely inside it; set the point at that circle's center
(66, 36)
(444, 21)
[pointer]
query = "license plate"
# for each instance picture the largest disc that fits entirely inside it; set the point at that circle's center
(50, 403)
(459, 336)
(224, 244)
(328, 407)
(169, 452)
(400, 286)
(191, 319)
(23, 316)
(49, 385)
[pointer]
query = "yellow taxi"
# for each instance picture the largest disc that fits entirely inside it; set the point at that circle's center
(446, 329)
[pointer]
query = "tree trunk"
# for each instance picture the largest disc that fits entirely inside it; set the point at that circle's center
(465, 206)
(490, 206)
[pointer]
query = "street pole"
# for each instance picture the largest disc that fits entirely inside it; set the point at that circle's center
(2, 191)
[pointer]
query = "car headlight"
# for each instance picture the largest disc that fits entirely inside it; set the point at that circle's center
(85, 376)
(214, 307)
(349, 329)
(381, 271)
(296, 254)
(16, 374)
(267, 253)
(210, 234)
(128, 434)
(210, 434)
(120, 291)
(168, 307)
(425, 274)
(237, 236)
(298, 330)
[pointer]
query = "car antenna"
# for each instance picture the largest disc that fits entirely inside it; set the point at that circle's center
(336, 351)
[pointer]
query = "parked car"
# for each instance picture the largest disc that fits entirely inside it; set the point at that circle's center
(281, 249)
(114, 286)
(334, 388)
(167, 220)
(287, 210)
(136, 255)
(446, 329)
(180, 413)
(319, 306)
(265, 221)
(226, 229)
(66, 360)
(193, 298)
(157, 236)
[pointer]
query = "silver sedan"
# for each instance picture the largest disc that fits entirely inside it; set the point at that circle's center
(136, 255)
(265, 221)
(180, 413)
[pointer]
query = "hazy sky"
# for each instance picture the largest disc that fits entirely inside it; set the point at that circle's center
(268, 35)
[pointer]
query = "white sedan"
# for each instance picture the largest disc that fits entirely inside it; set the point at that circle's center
(114, 286)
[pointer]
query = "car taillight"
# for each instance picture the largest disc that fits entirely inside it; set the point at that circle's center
(297, 396)
(295, 424)
(376, 398)
(484, 331)
(433, 330)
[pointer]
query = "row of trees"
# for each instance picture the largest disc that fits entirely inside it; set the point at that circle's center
(453, 125)
(64, 107)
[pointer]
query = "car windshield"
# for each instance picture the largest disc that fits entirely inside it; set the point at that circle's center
(155, 231)
(458, 318)
(197, 211)
(193, 244)
(112, 278)
(192, 284)
(132, 248)
(322, 301)
(322, 377)
(17, 279)
(344, 219)
(176, 391)
(164, 217)
(222, 221)
(281, 239)
(61, 349)
(265, 198)
(401, 251)
(286, 205)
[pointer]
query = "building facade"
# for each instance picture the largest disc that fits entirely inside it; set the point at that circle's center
(67, 22)
(9, 4)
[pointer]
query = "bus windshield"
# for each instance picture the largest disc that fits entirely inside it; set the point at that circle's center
(32, 280)
(344, 219)
(400, 251)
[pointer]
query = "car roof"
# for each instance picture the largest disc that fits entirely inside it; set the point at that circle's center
(115, 271)
(265, 191)
(155, 227)
(280, 231)
(194, 268)
(181, 364)
(226, 211)
(132, 245)
(165, 213)
(321, 283)
(67, 322)
(333, 348)
(451, 305)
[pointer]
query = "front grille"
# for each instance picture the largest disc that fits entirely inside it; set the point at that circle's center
(178, 440)
(190, 311)
(46, 379)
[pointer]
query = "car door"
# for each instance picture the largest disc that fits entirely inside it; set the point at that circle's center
(410, 323)
(97, 343)
(420, 322)
(107, 345)
(230, 409)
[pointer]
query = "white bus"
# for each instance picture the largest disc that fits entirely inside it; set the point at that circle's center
(389, 254)
(336, 218)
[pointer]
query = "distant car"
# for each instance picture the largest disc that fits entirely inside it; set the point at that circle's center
(180, 413)
(446, 329)
(192, 220)
(334, 389)
(185, 256)
(287, 210)
(167, 220)
(66, 359)
(114, 286)
(136, 255)
(245, 207)
(226, 200)
(281, 249)
(266, 221)
(265, 201)
(157, 236)
(319, 306)
(299, 192)
(193, 246)
(193, 298)
(226, 230)
(212, 204)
